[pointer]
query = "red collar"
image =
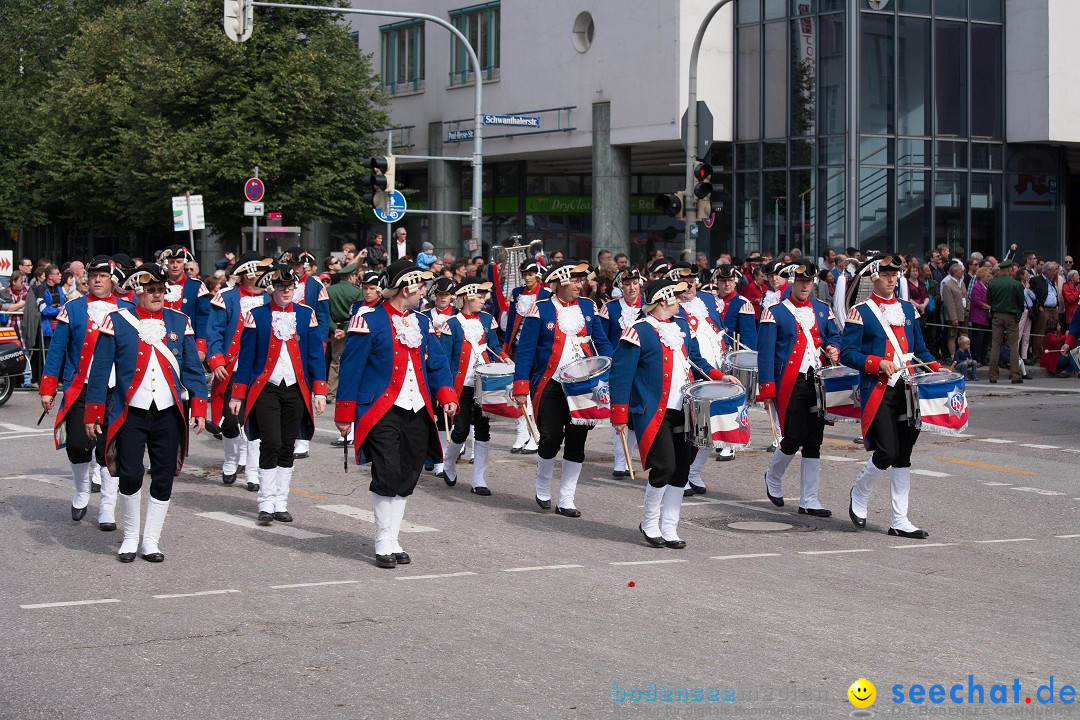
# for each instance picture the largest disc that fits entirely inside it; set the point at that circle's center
(391, 310)
(534, 291)
(301, 280)
(467, 316)
(564, 304)
(882, 301)
(247, 293)
(145, 314)
(448, 310)
(796, 303)
(729, 298)
(276, 308)
(181, 281)
(94, 298)
(373, 303)
(636, 305)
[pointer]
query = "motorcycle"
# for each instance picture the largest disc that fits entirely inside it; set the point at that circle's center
(12, 362)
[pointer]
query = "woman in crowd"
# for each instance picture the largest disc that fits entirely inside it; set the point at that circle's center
(980, 316)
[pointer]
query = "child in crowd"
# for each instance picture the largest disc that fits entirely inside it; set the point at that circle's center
(426, 256)
(1052, 360)
(963, 362)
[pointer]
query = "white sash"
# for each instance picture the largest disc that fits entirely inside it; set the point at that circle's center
(807, 335)
(162, 350)
(902, 357)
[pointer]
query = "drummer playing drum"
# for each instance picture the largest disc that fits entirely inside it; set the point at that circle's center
(469, 339)
(791, 339)
(881, 337)
(557, 331)
(655, 358)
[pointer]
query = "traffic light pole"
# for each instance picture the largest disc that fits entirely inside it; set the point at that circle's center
(692, 132)
(475, 211)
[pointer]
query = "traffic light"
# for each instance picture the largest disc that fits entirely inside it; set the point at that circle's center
(671, 204)
(239, 19)
(381, 182)
(703, 175)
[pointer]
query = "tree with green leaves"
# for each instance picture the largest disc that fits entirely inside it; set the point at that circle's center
(150, 99)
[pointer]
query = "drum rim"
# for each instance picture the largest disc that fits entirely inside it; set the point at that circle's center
(689, 392)
(945, 376)
(486, 369)
(604, 361)
(833, 371)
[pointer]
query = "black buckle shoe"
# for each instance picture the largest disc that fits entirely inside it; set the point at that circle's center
(544, 504)
(402, 558)
(78, 514)
(446, 479)
(386, 561)
(126, 557)
(253, 487)
(95, 487)
(154, 557)
(778, 501)
(914, 534)
(339, 442)
(815, 512)
(568, 512)
(698, 489)
(282, 516)
(675, 544)
(855, 519)
(620, 473)
(264, 518)
(482, 490)
(106, 527)
(656, 542)
(228, 479)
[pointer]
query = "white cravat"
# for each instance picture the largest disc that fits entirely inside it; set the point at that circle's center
(154, 387)
(407, 335)
(571, 322)
(97, 310)
(671, 335)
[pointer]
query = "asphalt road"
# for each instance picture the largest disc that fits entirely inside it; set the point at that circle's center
(507, 611)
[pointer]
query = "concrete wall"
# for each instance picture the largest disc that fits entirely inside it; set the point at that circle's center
(1042, 71)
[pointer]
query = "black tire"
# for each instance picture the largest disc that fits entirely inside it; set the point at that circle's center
(7, 386)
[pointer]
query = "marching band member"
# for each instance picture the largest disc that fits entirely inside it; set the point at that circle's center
(392, 368)
(881, 336)
(71, 357)
(187, 294)
(228, 310)
(702, 313)
(654, 359)
(470, 339)
(440, 297)
(658, 269)
(622, 312)
(281, 382)
(776, 283)
(793, 335)
(522, 300)
(311, 292)
(736, 311)
(152, 351)
(557, 331)
(370, 296)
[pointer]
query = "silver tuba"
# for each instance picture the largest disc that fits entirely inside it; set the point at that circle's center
(509, 259)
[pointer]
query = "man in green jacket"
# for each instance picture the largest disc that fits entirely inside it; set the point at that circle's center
(1005, 296)
(342, 295)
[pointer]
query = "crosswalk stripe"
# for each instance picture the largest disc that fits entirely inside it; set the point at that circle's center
(276, 529)
(368, 516)
(929, 473)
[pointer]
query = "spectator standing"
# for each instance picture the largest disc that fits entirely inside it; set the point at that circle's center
(1070, 292)
(376, 251)
(1044, 285)
(50, 301)
(341, 295)
(954, 299)
(1025, 317)
(1005, 295)
(980, 315)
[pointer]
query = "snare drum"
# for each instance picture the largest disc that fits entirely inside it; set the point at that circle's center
(743, 365)
(717, 415)
(838, 394)
(939, 402)
(585, 383)
(1075, 355)
(495, 390)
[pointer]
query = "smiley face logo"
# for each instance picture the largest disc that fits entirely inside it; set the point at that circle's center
(862, 693)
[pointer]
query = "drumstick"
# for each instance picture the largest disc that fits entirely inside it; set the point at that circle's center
(43, 414)
(626, 454)
(529, 423)
(446, 421)
(772, 424)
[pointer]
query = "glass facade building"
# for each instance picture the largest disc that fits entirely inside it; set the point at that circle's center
(932, 165)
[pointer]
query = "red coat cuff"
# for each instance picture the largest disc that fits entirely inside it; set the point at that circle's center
(935, 366)
(198, 407)
(873, 364)
(506, 358)
(716, 374)
(766, 391)
(215, 361)
(94, 413)
(319, 388)
(446, 395)
(620, 414)
(239, 392)
(345, 412)
(521, 387)
(200, 345)
(48, 385)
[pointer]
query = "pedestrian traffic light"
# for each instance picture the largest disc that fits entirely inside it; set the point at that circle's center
(239, 19)
(671, 204)
(381, 182)
(703, 175)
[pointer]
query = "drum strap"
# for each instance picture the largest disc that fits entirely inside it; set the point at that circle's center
(807, 335)
(901, 356)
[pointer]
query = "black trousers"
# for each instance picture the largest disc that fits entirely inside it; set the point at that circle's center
(79, 446)
(803, 427)
(230, 424)
(157, 432)
(277, 413)
(672, 453)
(396, 446)
(553, 423)
(469, 414)
(891, 438)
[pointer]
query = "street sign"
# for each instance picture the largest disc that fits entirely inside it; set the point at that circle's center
(7, 262)
(459, 135)
(253, 209)
(396, 210)
(254, 190)
(182, 221)
(532, 121)
(704, 129)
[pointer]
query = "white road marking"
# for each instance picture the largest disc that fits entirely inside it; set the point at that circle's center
(276, 529)
(22, 437)
(929, 473)
(742, 557)
(646, 562)
(368, 516)
(1037, 491)
(1040, 447)
(996, 484)
(834, 552)
(195, 594)
(313, 584)
(69, 603)
(541, 567)
(22, 428)
(1005, 540)
(837, 458)
(746, 506)
(1065, 537)
(432, 577)
(921, 545)
(996, 441)
(40, 478)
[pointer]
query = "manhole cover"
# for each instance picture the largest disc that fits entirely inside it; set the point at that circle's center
(760, 526)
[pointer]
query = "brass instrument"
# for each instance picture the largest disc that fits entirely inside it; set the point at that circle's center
(510, 257)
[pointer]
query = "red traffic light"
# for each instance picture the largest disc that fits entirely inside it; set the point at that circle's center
(703, 172)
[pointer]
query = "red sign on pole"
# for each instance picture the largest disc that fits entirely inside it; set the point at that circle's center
(254, 190)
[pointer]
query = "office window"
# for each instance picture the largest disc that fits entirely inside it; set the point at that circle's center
(403, 56)
(481, 25)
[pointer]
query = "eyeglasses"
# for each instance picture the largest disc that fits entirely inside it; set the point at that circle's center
(153, 291)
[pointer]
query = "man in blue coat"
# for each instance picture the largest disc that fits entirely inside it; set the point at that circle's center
(393, 371)
(622, 312)
(281, 382)
(186, 294)
(71, 356)
(522, 300)
(793, 336)
(653, 361)
(881, 337)
(736, 311)
(153, 354)
(558, 331)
